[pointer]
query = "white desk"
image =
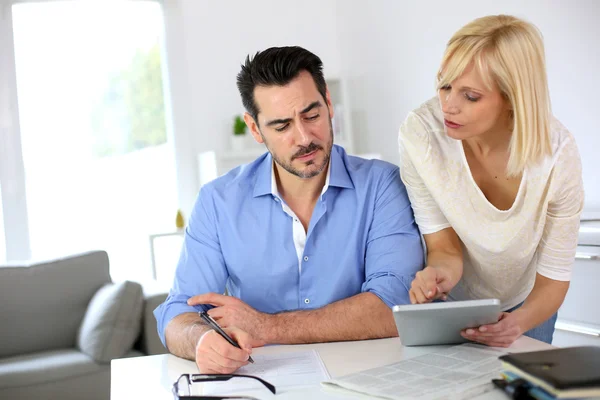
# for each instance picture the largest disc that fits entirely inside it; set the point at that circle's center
(152, 377)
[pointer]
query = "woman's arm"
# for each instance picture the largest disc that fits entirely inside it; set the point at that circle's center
(444, 251)
(544, 300)
(444, 267)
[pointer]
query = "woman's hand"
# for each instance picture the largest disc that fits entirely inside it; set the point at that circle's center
(430, 284)
(444, 270)
(501, 334)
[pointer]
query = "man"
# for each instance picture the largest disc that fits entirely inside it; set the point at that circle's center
(311, 244)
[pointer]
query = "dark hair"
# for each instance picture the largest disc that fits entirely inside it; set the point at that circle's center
(277, 66)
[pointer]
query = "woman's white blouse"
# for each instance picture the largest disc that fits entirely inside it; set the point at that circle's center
(502, 249)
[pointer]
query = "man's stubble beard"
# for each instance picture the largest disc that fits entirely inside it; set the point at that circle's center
(305, 150)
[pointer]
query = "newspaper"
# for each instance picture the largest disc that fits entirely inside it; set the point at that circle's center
(457, 372)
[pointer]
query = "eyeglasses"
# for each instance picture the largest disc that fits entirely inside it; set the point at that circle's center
(183, 390)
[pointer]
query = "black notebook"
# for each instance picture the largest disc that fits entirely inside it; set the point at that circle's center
(565, 372)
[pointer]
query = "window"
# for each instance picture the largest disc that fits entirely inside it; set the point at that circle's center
(99, 167)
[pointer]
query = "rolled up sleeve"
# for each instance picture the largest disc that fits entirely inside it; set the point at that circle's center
(394, 248)
(201, 267)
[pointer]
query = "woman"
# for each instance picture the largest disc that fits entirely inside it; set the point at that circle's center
(494, 181)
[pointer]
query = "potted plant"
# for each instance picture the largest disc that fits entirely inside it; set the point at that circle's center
(238, 140)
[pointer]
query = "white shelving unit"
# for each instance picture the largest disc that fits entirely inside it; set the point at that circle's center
(212, 164)
(342, 123)
(578, 322)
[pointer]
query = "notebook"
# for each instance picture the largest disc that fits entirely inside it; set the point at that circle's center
(568, 372)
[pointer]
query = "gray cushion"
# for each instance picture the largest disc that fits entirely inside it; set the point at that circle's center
(112, 321)
(43, 367)
(92, 386)
(154, 295)
(57, 374)
(43, 303)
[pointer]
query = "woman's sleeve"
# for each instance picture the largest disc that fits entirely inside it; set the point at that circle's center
(414, 142)
(556, 251)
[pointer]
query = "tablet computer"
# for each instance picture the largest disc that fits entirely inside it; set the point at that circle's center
(441, 323)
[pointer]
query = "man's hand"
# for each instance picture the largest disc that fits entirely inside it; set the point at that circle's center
(501, 334)
(430, 284)
(230, 312)
(214, 354)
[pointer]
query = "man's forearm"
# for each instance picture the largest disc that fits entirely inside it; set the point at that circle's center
(364, 316)
(182, 335)
(544, 300)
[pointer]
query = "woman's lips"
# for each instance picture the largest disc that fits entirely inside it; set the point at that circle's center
(452, 125)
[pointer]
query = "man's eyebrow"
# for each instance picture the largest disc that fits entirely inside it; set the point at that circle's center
(312, 105)
(281, 121)
(278, 121)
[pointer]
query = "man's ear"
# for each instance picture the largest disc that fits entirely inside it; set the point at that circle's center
(253, 127)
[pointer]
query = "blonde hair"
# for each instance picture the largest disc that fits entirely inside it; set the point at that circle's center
(509, 53)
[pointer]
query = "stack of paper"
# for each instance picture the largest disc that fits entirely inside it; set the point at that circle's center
(457, 372)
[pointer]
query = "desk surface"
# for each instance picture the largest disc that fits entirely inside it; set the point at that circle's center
(152, 377)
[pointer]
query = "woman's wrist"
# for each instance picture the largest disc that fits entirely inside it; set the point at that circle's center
(452, 272)
(524, 317)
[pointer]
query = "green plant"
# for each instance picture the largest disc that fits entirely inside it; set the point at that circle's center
(239, 126)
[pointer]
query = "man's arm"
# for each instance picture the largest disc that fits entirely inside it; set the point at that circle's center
(363, 316)
(201, 269)
(183, 333)
(188, 337)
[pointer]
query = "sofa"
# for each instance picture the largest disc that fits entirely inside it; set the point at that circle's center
(61, 323)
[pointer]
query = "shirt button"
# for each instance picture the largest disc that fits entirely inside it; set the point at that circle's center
(277, 199)
(305, 258)
(306, 301)
(295, 219)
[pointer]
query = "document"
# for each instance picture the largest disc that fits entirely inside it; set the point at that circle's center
(458, 372)
(284, 370)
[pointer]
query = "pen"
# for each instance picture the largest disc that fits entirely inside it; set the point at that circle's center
(516, 389)
(213, 324)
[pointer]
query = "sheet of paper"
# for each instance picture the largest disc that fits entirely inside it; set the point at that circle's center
(284, 370)
(458, 372)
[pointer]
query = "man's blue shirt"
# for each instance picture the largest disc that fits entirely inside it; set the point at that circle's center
(361, 238)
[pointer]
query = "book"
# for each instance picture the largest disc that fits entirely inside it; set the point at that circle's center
(570, 372)
(533, 391)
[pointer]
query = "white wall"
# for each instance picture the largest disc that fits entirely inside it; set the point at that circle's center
(391, 52)
(207, 41)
